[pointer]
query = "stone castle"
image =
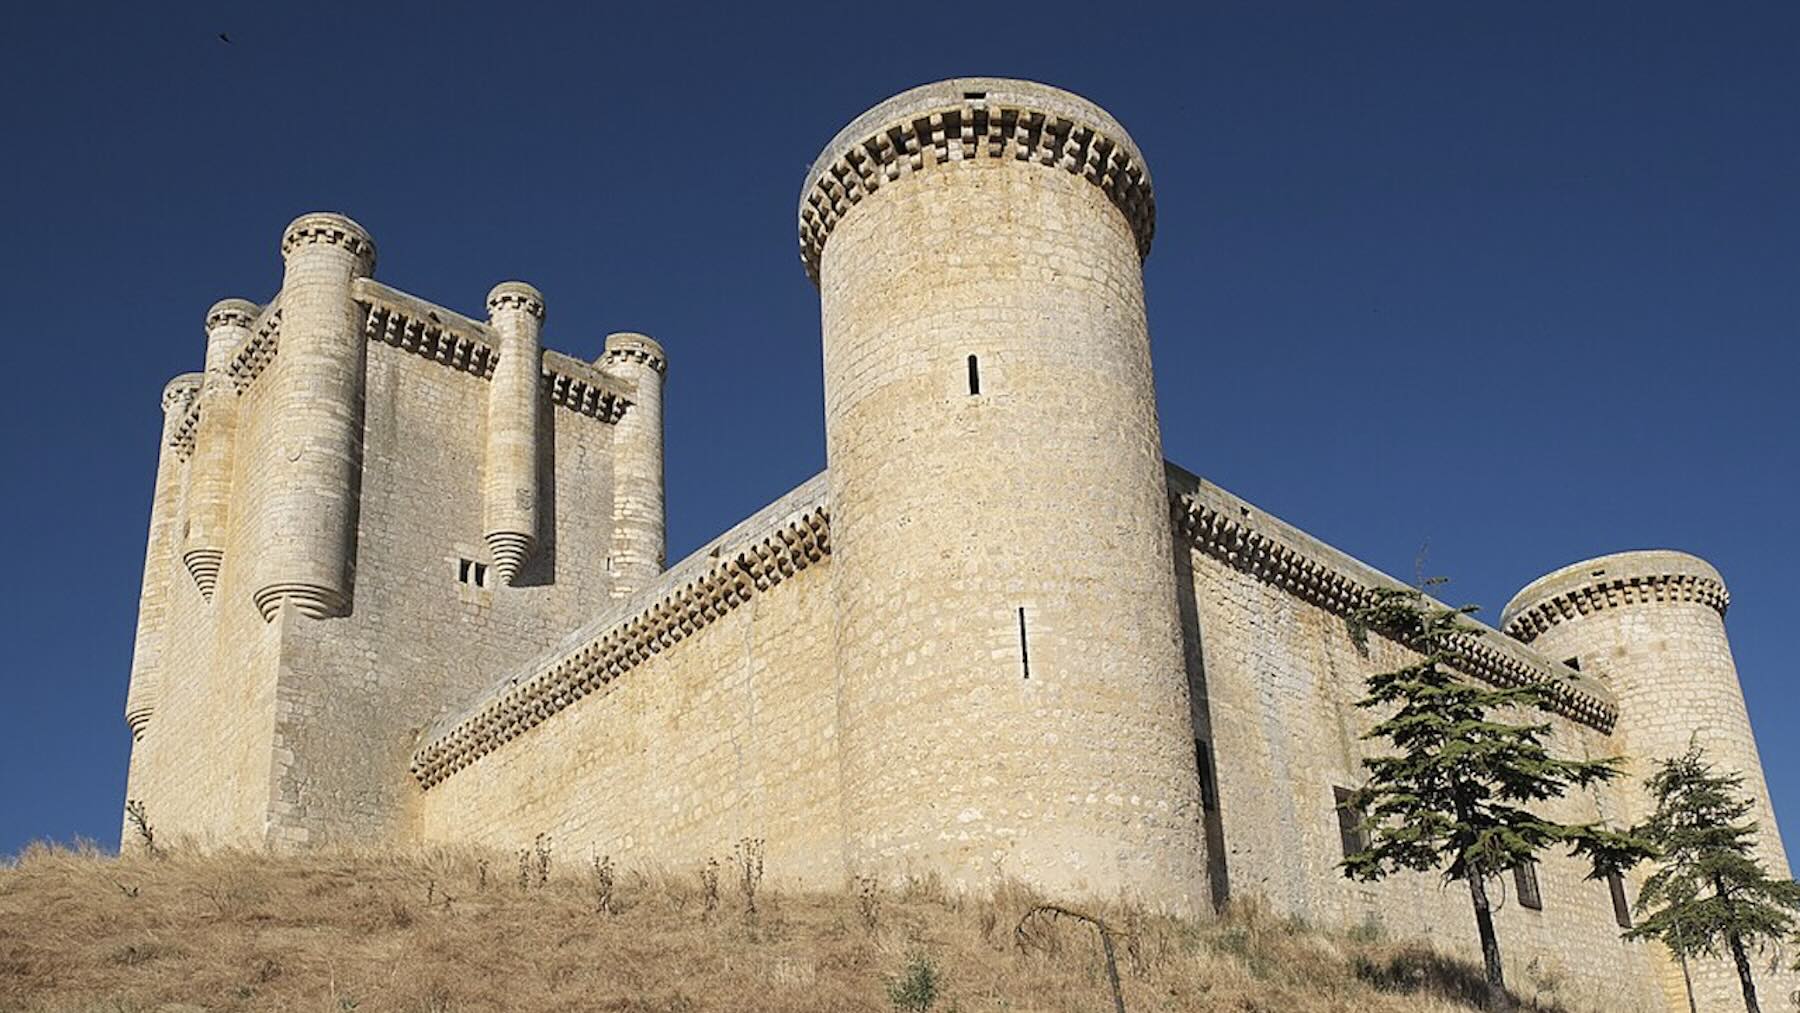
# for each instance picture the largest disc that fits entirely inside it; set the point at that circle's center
(405, 583)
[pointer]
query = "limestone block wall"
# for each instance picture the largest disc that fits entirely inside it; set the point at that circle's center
(1012, 696)
(424, 634)
(1277, 679)
(695, 713)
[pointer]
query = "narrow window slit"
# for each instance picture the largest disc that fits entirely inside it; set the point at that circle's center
(1024, 650)
(974, 376)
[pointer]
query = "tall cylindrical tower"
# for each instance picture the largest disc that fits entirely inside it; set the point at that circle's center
(209, 484)
(1012, 692)
(510, 484)
(1651, 626)
(638, 518)
(144, 689)
(308, 537)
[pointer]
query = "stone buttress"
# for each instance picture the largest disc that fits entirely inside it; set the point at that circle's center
(308, 535)
(1012, 690)
(228, 327)
(637, 511)
(510, 480)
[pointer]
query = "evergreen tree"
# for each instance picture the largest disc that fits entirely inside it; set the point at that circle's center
(1709, 894)
(1453, 794)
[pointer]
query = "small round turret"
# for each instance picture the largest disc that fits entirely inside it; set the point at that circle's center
(308, 533)
(510, 485)
(228, 325)
(639, 524)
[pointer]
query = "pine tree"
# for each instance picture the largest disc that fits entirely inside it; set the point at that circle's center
(1709, 893)
(1453, 794)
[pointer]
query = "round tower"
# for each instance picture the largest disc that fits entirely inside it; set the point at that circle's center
(510, 483)
(309, 537)
(1012, 692)
(144, 689)
(638, 518)
(1651, 626)
(209, 484)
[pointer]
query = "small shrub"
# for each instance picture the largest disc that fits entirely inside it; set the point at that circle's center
(747, 855)
(868, 901)
(540, 849)
(136, 812)
(917, 987)
(604, 881)
(709, 886)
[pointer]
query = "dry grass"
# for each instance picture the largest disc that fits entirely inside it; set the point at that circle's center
(80, 930)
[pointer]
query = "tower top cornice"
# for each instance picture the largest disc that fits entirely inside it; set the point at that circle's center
(967, 118)
(231, 313)
(517, 294)
(332, 228)
(1623, 578)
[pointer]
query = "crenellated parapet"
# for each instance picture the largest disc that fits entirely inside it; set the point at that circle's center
(966, 119)
(1632, 578)
(330, 229)
(789, 536)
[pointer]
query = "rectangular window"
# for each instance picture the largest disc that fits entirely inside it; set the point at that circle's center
(469, 572)
(1621, 908)
(974, 376)
(1350, 831)
(1209, 790)
(1525, 881)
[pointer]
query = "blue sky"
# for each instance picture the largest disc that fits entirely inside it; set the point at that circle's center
(1513, 283)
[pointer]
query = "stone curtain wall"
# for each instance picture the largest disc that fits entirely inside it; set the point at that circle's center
(1276, 689)
(728, 733)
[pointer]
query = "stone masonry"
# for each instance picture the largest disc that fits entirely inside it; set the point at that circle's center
(405, 584)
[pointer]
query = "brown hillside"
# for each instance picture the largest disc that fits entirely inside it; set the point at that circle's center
(459, 932)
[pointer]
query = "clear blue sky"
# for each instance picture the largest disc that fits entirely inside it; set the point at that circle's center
(1514, 281)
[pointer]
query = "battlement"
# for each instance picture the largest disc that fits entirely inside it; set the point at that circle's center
(1231, 530)
(1624, 578)
(786, 536)
(635, 347)
(332, 229)
(232, 313)
(968, 118)
(517, 295)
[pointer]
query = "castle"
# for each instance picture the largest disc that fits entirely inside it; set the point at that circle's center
(405, 583)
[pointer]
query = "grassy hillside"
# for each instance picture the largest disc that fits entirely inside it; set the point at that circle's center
(470, 931)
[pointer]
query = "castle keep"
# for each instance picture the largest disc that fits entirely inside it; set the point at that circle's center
(405, 583)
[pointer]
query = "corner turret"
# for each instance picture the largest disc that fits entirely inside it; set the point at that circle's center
(144, 690)
(639, 529)
(307, 536)
(510, 484)
(228, 325)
